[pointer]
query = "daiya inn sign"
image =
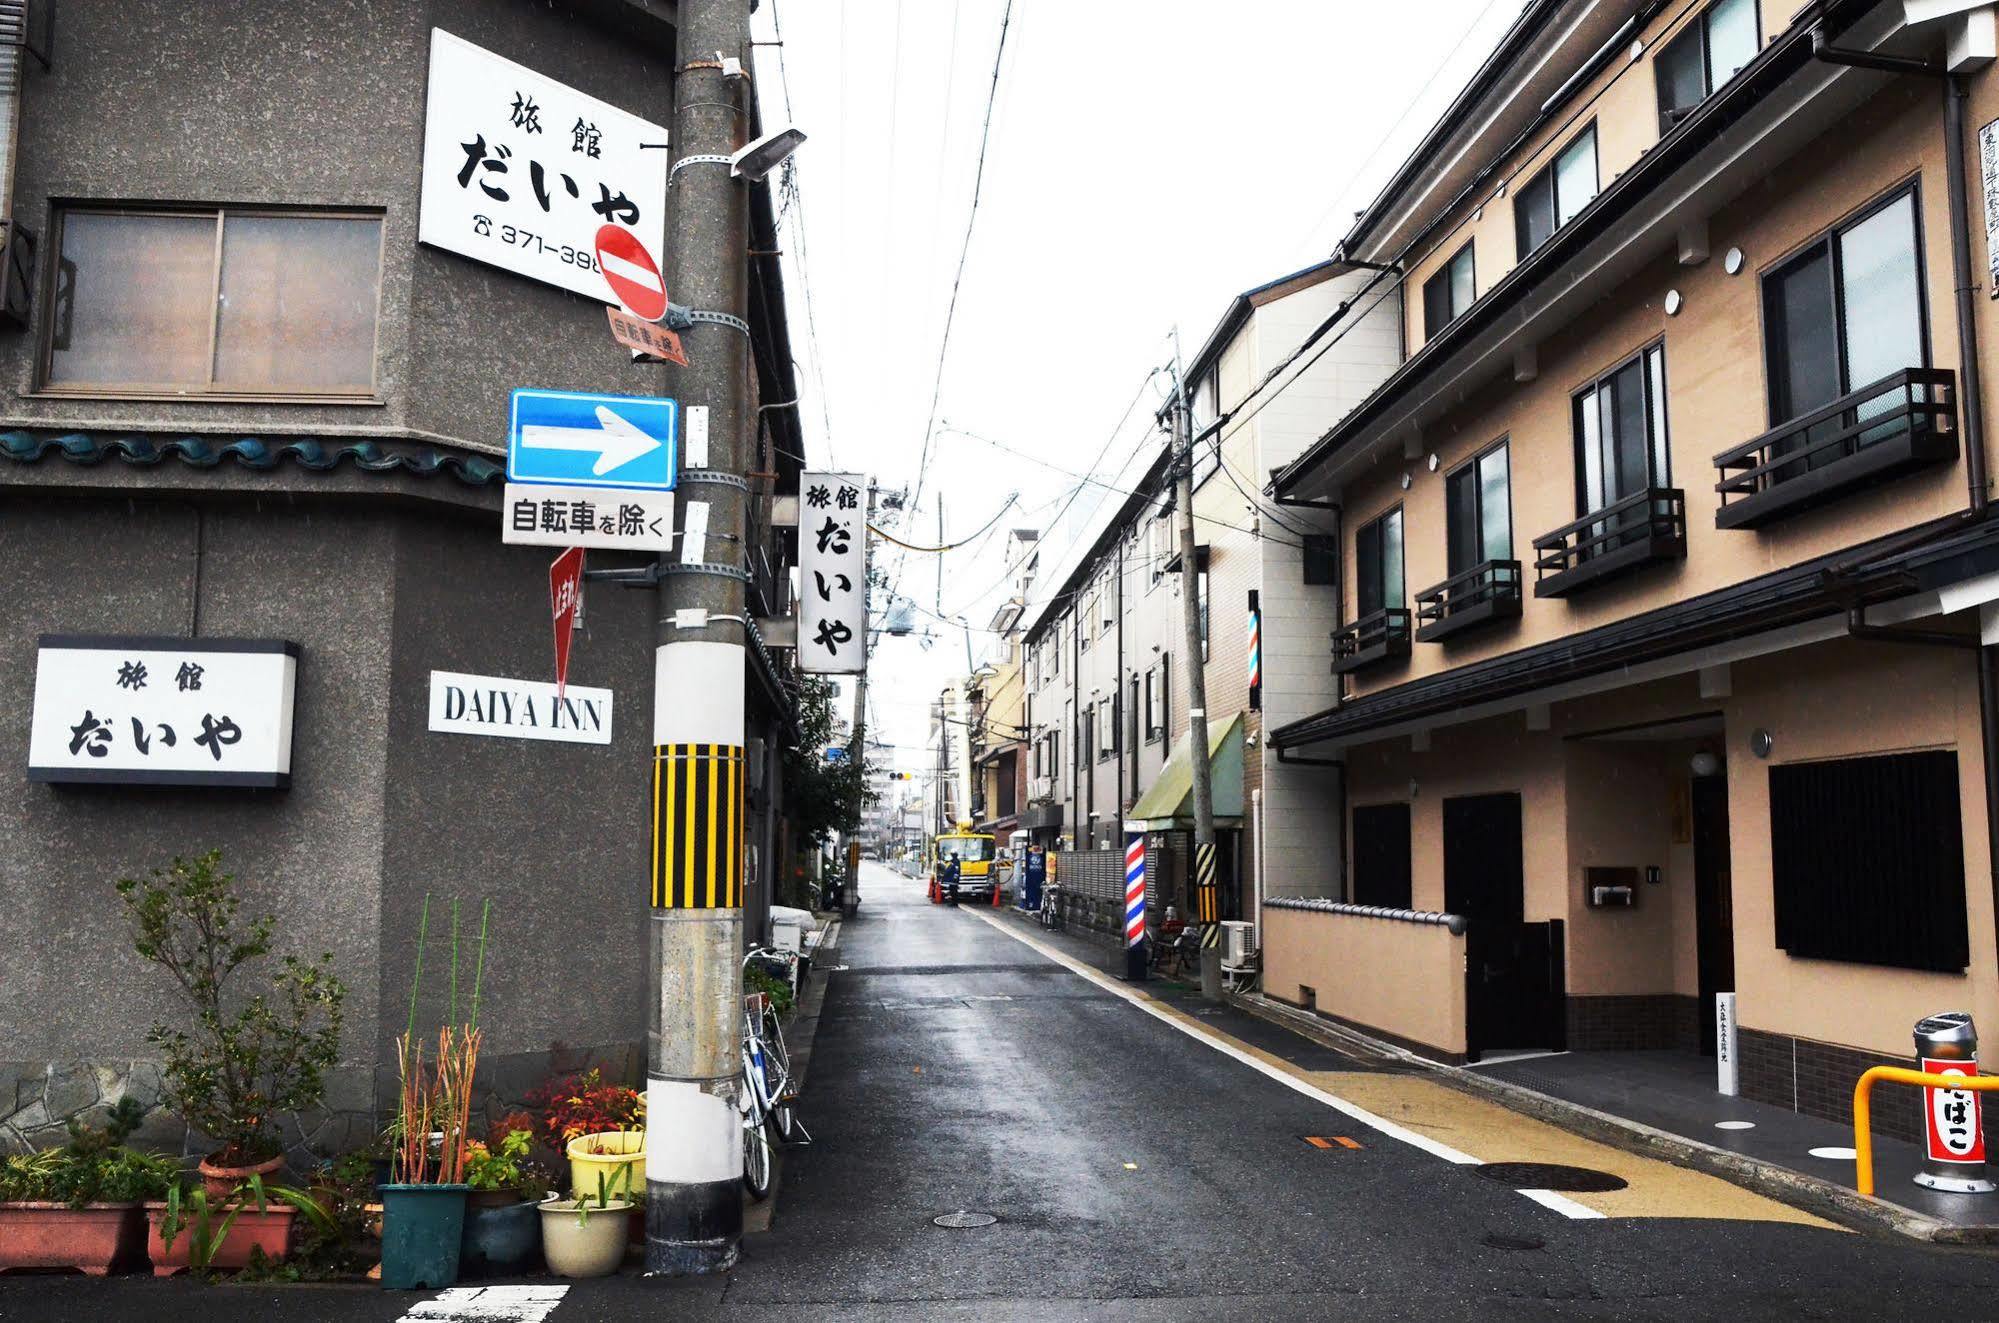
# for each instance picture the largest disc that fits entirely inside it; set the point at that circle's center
(146, 710)
(522, 709)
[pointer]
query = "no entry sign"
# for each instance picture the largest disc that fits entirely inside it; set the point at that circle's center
(632, 274)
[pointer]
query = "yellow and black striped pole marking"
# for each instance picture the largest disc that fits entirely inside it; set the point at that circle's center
(1206, 908)
(698, 824)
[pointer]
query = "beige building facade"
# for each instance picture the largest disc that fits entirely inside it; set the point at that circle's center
(1666, 578)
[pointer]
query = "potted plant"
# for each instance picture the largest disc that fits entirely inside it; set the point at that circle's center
(423, 1206)
(598, 1126)
(501, 1229)
(246, 1060)
(191, 1231)
(582, 1237)
(78, 1206)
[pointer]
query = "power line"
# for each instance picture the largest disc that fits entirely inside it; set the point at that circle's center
(950, 546)
(964, 253)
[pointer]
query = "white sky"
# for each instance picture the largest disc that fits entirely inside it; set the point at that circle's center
(1149, 159)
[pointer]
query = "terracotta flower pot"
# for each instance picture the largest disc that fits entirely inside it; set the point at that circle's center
(270, 1231)
(222, 1181)
(93, 1239)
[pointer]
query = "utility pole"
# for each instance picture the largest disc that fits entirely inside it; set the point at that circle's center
(694, 1163)
(1206, 910)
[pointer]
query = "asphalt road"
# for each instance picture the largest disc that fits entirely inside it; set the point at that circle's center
(1136, 1172)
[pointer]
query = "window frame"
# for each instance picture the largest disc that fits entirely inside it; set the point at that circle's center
(1655, 410)
(1826, 240)
(1471, 466)
(1442, 279)
(61, 210)
(1402, 551)
(1547, 177)
(1154, 725)
(1699, 33)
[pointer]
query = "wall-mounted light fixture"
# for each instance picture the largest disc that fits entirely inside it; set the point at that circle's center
(1704, 763)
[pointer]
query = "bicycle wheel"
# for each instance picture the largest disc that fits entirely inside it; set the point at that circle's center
(756, 1134)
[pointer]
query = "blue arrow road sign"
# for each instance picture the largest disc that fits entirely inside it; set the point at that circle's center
(582, 440)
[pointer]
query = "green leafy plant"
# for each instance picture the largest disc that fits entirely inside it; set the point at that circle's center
(95, 1166)
(206, 1221)
(822, 797)
(501, 1168)
(246, 1060)
(339, 1245)
(756, 979)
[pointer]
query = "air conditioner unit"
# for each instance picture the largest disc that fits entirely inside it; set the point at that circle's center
(1238, 945)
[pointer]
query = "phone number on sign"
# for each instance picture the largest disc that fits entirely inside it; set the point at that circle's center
(515, 237)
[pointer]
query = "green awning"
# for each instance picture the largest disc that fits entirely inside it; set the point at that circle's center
(1168, 805)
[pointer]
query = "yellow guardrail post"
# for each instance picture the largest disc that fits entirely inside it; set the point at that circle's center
(1863, 1137)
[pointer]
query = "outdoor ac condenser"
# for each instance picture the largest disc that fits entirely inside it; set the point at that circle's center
(1238, 944)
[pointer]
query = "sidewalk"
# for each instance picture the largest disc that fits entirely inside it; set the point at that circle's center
(1651, 1103)
(799, 1033)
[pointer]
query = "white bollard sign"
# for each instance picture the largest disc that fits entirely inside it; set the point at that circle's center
(1724, 1043)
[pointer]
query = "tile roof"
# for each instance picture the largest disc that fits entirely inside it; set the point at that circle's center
(251, 452)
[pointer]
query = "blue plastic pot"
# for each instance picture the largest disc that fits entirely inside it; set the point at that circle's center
(422, 1226)
(501, 1237)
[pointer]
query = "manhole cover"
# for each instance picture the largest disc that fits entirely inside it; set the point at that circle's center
(960, 1220)
(1549, 1176)
(1495, 1240)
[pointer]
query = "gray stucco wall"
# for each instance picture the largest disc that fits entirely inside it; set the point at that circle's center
(318, 103)
(381, 577)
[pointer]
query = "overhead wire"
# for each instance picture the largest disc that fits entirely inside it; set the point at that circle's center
(949, 546)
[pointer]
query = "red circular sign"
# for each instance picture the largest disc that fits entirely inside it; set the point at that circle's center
(632, 274)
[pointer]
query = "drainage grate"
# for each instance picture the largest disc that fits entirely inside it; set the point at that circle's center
(1549, 1176)
(1495, 1240)
(961, 1220)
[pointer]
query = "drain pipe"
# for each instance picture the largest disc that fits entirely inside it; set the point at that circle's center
(1971, 400)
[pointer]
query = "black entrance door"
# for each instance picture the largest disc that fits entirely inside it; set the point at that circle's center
(1714, 913)
(1513, 969)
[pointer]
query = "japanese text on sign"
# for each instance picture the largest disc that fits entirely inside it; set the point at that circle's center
(164, 711)
(833, 573)
(520, 171)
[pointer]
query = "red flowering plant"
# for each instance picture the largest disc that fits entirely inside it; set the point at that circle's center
(582, 1103)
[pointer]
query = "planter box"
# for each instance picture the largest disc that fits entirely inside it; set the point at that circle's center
(270, 1231)
(94, 1238)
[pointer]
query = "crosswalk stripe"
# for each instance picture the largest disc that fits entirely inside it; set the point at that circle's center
(487, 1304)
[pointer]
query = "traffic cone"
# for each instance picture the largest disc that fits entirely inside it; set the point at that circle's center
(996, 893)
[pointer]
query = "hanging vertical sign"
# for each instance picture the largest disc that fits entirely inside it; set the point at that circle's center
(1255, 653)
(832, 573)
(565, 601)
(1988, 178)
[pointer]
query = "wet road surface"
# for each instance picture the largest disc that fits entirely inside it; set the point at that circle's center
(1137, 1172)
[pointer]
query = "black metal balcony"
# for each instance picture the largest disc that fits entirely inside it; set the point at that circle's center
(1484, 593)
(1643, 528)
(1898, 424)
(1371, 640)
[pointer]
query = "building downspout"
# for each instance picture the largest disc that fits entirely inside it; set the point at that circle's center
(1971, 399)
(1121, 719)
(1971, 414)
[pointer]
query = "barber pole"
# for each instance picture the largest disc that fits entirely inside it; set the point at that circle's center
(1134, 905)
(1255, 652)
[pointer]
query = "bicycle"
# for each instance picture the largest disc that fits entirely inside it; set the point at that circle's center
(769, 1099)
(1050, 912)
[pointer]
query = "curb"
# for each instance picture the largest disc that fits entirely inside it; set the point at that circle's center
(1829, 1200)
(801, 1032)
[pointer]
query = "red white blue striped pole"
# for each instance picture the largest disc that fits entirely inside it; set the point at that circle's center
(1134, 906)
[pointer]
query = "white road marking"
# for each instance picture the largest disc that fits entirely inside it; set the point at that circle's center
(1566, 1207)
(1836, 1153)
(488, 1304)
(1735, 1125)
(1561, 1203)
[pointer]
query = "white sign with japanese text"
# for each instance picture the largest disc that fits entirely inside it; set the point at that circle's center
(163, 711)
(833, 573)
(522, 709)
(539, 515)
(521, 171)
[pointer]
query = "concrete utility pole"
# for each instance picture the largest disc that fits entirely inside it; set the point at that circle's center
(1206, 909)
(694, 1159)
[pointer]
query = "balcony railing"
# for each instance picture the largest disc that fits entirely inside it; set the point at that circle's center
(1486, 592)
(1900, 423)
(1371, 640)
(1644, 527)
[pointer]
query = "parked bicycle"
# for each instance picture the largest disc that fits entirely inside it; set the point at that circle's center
(1050, 912)
(769, 1094)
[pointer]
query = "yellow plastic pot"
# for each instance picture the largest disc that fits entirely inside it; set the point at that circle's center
(621, 1162)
